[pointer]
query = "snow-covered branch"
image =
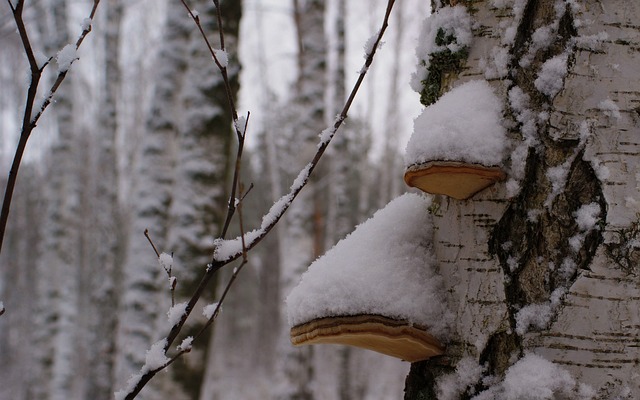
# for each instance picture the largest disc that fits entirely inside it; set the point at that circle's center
(227, 251)
(31, 115)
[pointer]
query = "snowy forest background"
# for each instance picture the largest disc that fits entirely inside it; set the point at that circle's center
(139, 137)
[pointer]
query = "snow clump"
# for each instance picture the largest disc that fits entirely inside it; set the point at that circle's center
(209, 309)
(535, 378)
(222, 56)
(166, 261)
(451, 386)
(551, 76)
(609, 108)
(385, 267)
(65, 57)
(463, 125)
(538, 315)
(186, 344)
(587, 216)
(176, 312)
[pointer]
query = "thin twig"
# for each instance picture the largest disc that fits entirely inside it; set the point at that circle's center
(173, 281)
(295, 189)
(30, 120)
(240, 132)
(146, 234)
(231, 208)
(227, 288)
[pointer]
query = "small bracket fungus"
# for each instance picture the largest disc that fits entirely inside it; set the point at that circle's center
(458, 143)
(372, 332)
(376, 289)
(454, 179)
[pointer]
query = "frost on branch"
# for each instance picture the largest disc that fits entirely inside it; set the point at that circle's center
(65, 57)
(154, 359)
(209, 309)
(368, 46)
(385, 267)
(227, 249)
(186, 344)
(176, 312)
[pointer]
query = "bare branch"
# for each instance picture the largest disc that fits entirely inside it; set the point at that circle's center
(251, 239)
(63, 74)
(146, 234)
(326, 137)
(231, 207)
(30, 120)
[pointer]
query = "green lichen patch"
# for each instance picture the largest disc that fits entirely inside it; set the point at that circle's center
(440, 64)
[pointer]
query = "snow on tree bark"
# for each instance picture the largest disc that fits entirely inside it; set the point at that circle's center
(105, 241)
(303, 231)
(143, 299)
(21, 322)
(526, 275)
(58, 283)
(203, 149)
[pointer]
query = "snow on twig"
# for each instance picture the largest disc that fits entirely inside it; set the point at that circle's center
(32, 115)
(227, 251)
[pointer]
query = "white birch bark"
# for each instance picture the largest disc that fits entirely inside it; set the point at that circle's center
(19, 261)
(103, 228)
(145, 295)
(508, 251)
(302, 230)
(60, 262)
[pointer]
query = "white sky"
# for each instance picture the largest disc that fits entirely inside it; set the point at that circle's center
(268, 24)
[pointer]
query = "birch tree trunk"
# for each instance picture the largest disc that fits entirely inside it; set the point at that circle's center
(145, 288)
(203, 149)
(104, 226)
(525, 273)
(19, 260)
(303, 229)
(58, 283)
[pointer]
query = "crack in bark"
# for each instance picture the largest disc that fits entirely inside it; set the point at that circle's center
(421, 381)
(532, 247)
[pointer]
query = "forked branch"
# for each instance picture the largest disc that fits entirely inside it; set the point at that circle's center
(227, 251)
(30, 117)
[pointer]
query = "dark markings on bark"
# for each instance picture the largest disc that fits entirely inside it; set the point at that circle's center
(498, 351)
(421, 381)
(533, 249)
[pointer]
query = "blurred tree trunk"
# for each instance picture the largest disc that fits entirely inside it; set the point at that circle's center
(103, 230)
(304, 229)
(203, 160)
(518, 248)
(390, 186)
(338, 213)
(19, 261)
(145, 289)
(61, 259)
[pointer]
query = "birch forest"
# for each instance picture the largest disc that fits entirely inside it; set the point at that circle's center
(224, 199)
(135, 154)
